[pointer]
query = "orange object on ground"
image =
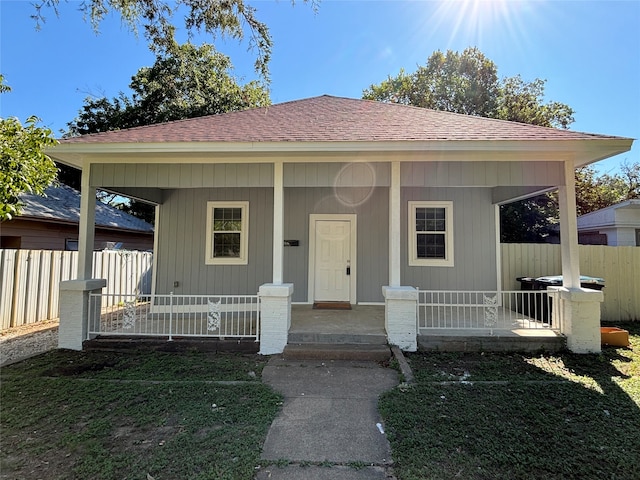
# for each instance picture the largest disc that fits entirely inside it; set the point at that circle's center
(615, 337)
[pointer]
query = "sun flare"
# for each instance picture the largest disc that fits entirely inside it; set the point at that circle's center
(475, 22)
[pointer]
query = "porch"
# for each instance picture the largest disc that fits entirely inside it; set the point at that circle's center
(365, 324)
(440, 324)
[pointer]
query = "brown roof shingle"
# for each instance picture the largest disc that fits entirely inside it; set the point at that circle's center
(333, 119)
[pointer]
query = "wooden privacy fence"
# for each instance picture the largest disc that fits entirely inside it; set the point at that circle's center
(30, 280)
(618, 266)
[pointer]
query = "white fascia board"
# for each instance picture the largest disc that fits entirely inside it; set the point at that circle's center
(583, 152)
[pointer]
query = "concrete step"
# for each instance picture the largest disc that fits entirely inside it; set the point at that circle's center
(337, 338)
(335, 351)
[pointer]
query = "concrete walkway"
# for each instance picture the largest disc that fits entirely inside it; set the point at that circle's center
(327, 426)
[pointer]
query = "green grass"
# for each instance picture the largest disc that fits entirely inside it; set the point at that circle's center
(122, 415)
(518, 416)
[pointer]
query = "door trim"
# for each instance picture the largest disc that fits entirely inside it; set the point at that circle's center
(352, 219)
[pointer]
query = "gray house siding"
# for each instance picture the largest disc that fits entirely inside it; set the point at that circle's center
(181, 175)
(474, 235)
(182, 236)
(372, 235)
(322, 188)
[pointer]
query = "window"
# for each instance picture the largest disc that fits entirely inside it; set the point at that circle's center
(227, 233)
(71, 244)
(431, 234)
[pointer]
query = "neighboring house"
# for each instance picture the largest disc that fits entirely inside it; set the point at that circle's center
(51, 223)
(619, 224)
(338, 200)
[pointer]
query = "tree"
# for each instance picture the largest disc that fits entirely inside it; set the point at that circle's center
(226, 18)
(529, 220)
(24, 167)
(185, 81)
(468, 83)
(594, 191)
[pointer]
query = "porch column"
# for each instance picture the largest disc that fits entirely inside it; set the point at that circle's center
(278, 222)
(275, 317)
(75, 311)
(576, 310)
(400, 311)
(394, 226)
(400, 303)
(87, 226)
(569, 229)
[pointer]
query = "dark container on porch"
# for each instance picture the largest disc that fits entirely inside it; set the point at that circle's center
(537, 305)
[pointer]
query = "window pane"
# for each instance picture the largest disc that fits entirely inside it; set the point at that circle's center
(431, 245)
(430, 219)
(226, 245)
(227, 219)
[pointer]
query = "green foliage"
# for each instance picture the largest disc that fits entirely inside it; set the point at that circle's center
(522, 102)
(114, 415)
(532, 220)
(468, 83)
(24, 167)
(529, 220)
(186, 81)
(594, 191)
(228, 19)
(517, 415)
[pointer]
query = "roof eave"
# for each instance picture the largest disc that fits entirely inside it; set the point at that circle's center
(582, 151)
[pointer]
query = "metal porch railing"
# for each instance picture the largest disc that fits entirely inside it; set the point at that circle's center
(217, 316)
(485, 310)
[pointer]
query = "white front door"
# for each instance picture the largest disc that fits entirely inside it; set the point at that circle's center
(332, 258)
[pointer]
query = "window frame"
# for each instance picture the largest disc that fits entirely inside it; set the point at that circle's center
(243, 259)
(414, 261)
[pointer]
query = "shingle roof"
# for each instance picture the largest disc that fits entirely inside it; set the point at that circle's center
(334, 119)
(62, 203)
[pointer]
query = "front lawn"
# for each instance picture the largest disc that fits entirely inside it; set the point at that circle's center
(144, 415)
(518, 416)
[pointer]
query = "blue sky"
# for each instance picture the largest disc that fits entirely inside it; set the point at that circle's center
(588, 51)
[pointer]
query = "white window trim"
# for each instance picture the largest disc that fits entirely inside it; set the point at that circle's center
(243, 259)
(414, 261)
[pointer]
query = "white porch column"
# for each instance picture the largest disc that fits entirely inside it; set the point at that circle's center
(400, 310)
(278, 222)
(75, 312)
(576, 310)
(394, 226)
(275, 317)
(569, 229)
(87, 225)
(400, 303)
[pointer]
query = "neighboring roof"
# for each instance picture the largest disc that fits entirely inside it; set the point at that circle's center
(334, 119)
(607, 217)
(62, 204)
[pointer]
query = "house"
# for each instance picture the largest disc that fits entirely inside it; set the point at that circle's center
(332, 199)
(51, 222)
(619, 224)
